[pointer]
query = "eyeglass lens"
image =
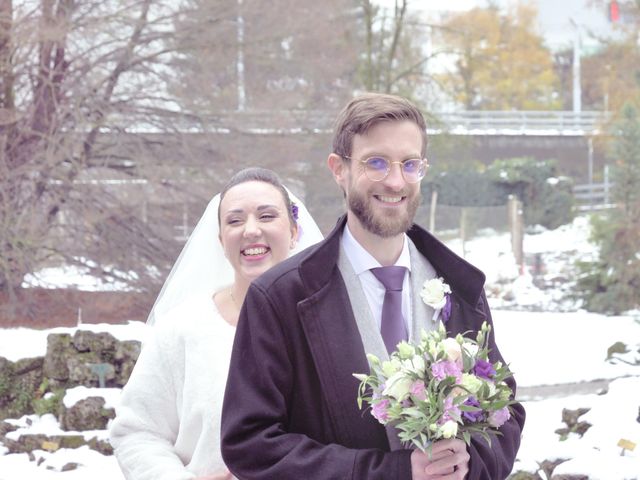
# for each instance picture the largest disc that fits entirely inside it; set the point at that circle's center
(377, 168)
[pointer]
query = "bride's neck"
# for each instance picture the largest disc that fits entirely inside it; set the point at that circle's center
(229, 302)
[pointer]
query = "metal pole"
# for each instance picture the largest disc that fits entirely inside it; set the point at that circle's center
(606, 184)
(577, 88)
(590, 169)
(242, 97)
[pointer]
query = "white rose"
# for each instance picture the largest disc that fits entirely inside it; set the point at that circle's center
(389, 367)
(471, 349)
(414, 365)
(433, 293)
(398, 386)
(448, 429)
(492, 388)
(471, 383)
(452, 349)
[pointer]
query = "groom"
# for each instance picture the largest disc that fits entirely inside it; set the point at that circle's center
(290, 409)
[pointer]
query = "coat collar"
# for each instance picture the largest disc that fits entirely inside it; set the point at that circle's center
(465, 279)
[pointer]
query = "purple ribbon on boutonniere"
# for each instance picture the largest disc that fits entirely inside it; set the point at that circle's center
(446, 310)
(436, 294)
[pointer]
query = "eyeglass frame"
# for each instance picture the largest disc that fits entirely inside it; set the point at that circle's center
(390, 163)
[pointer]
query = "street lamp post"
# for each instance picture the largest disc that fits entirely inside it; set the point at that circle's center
(242, 97)
(577, 88)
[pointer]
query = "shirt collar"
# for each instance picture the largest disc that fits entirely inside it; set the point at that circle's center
(361, 260)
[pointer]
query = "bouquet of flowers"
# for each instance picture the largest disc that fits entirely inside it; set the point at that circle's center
(441, 388)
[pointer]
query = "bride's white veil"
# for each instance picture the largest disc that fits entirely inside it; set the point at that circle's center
(202, 267)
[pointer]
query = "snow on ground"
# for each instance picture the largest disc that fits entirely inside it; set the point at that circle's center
(552, 344)
(17, 343)
(549, 274)
(554, 348)
(71, 277)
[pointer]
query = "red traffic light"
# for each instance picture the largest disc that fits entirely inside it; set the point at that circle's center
(614, 11)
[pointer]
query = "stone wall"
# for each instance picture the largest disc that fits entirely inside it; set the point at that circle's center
(38, 385)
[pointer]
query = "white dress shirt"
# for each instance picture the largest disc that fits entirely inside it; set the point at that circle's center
(362, 262)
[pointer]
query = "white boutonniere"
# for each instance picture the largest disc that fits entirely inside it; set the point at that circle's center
(436, 293)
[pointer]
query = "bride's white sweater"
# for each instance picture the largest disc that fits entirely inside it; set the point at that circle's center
(168, 422)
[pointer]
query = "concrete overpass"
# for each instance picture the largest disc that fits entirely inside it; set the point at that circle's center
(565, 136)
(475, 122)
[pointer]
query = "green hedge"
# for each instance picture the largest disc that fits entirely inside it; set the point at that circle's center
(547, 198)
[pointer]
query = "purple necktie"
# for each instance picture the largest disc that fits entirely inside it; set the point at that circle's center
(392, 326)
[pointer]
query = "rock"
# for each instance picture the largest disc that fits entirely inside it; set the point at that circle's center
(520, 475)
(19, 383)
(570, 477)
(27, 365)
(81, 372)
(28, 442)
(6, 376)
(126, 355)
(88, 341)
(59, 350)
(548, 466)
(69, 466)
(5, 428)
(570, 417)
(102, 446)
(127, 350)
(617, 347)
(581, 428)
(87, 414)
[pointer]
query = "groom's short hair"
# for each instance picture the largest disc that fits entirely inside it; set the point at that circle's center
(369, 109)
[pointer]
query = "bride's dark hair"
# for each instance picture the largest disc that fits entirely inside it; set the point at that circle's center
(258, 174)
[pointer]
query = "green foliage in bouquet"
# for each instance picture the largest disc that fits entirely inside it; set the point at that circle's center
(441, 388)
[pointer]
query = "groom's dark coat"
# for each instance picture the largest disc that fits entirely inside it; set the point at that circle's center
(290, 408)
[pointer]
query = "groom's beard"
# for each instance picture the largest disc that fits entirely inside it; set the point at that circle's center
(384, 224)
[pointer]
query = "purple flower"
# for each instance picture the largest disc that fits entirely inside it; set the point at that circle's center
(451, 411)
(294, 211)
(446, 310)
(380, 411)
(418, 390)
(446, 368)
(498, 417)
(483, 369)
(473, 416)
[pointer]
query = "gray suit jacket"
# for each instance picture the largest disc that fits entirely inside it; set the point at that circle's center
(421, 313)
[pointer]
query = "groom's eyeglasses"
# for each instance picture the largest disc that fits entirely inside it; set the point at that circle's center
(377, 168)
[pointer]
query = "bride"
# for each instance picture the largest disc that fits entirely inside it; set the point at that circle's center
(168, 423)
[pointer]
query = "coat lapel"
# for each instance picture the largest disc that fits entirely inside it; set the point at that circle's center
(335, 344)
(421, 313)
(337, 351)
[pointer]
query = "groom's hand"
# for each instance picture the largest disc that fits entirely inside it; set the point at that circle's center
(449, 460)
(223, 475)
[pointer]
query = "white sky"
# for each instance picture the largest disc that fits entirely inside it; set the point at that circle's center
(554, 17)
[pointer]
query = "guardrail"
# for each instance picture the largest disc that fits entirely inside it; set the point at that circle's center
(594, 196)
(468, 122)
(484, 122)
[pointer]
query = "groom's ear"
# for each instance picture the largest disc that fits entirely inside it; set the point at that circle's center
(338, 168)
